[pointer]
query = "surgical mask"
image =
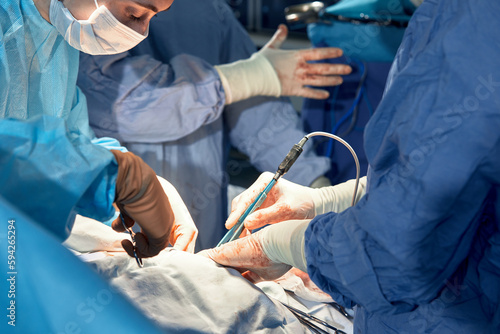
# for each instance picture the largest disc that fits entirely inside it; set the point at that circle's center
(416, 3)
(101, 34)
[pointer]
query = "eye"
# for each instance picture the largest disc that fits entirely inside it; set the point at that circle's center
(134, 18)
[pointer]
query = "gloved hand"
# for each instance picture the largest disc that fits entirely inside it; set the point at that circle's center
(267, 254)
(184, 231)
(140, 198)
(285, 201)
(275, 72)
(295, 72)
(288, 200)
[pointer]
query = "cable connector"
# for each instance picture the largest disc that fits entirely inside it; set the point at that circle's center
(290, 158)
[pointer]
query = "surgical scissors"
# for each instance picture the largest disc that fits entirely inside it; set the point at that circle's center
(132, 235)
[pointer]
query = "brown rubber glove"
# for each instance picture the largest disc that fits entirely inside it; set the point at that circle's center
(141, 199)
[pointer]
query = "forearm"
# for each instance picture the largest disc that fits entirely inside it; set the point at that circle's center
(60, 176)
(249, 77)
(139, 99)
(284, 243)
(339, 197)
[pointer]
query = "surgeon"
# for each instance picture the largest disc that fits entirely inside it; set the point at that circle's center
(174, 125)
(420, 251)
(38, 67)
(39, 50)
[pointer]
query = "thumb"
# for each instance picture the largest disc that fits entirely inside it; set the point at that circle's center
(128, 247)
(184, 242)
(235, 214)
(252, 277)
(117, 224)
(278, 38)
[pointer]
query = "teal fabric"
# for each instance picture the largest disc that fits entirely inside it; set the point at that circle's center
(51, 177)
(38, 69)
(38, 72)
(367, 42)
(53, 291)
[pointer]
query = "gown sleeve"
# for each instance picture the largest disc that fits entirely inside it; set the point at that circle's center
(433, 146)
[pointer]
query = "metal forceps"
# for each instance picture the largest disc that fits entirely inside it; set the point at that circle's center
(132, 235)
(308, 320)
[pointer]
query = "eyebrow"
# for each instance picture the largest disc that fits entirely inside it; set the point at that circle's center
(148, 6)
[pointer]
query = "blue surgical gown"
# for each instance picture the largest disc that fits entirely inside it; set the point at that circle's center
(420, 253)
(168, 107)
(38, 72)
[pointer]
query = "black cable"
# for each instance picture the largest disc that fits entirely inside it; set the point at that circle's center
(355, 113)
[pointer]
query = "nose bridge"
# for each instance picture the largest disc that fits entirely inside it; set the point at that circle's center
(145, 30)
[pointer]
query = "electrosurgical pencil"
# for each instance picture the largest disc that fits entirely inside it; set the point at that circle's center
(284, 166)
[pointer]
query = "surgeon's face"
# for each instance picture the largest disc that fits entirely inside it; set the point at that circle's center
(133, 13)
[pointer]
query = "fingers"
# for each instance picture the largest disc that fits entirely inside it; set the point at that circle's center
(241, 253)
(322, 81)
(245, 233)
(312, 93)
(252, 277)
(324, 69)
(241, 202)
(128, 247)
(148, 247)
(184, 240)
(278, 38)
(320, 53)
(117, 224)
(247, 254)
(271, 215)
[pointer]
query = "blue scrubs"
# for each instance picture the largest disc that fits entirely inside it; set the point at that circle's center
(53, 153)
(168, 108)
(420, 253)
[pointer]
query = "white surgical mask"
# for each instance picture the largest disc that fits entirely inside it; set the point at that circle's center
(101, 34)
(416, 3)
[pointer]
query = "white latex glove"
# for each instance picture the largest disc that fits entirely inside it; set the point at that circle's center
(288, 200)
(337, 198)
(184, 232)
(275, 72)
(267, 254)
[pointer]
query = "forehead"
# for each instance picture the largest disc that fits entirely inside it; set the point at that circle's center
(153, 5)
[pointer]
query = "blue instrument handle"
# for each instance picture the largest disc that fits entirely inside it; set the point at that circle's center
(236, 230)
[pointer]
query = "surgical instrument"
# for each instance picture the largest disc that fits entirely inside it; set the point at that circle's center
(342, 311)
(284, 166)
(308, 319)
(132, 235)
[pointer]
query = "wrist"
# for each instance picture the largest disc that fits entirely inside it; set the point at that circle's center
(249, 77)
(284, 243)
(337, 198)
(323, 200)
